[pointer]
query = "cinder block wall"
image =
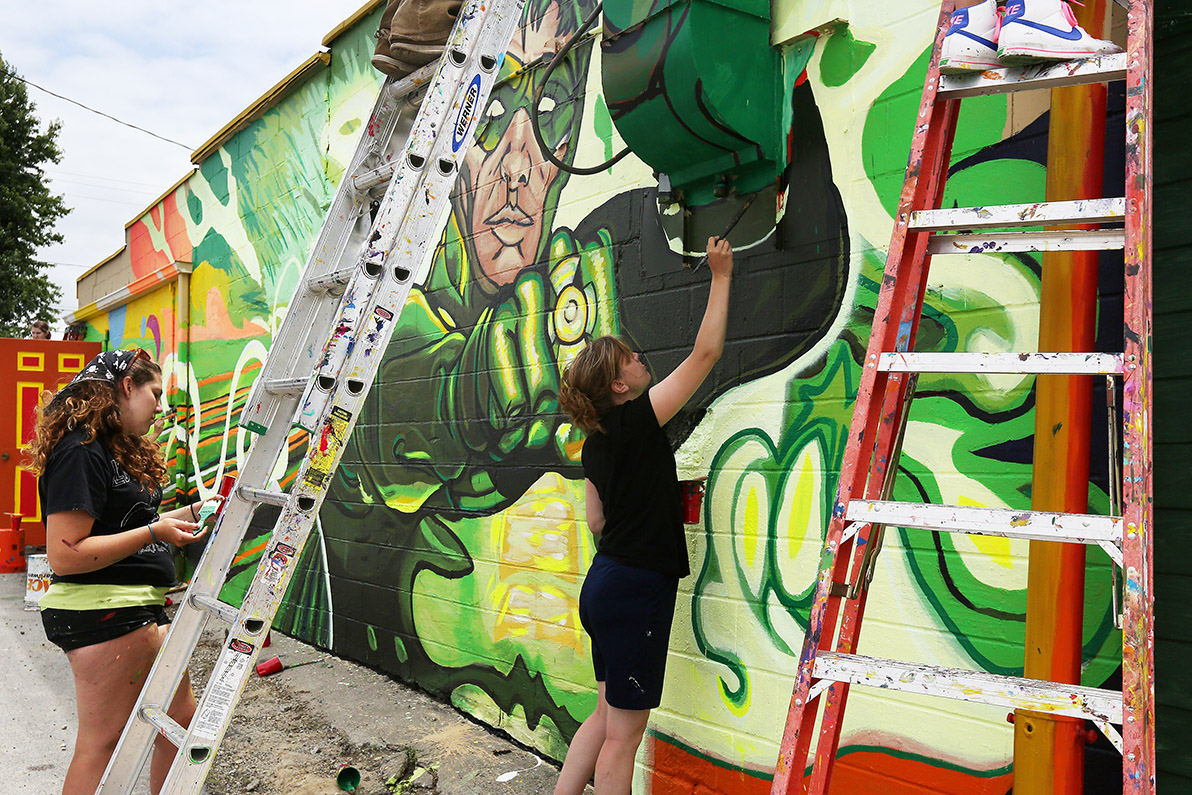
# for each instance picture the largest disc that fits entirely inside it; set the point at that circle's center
(452, 548)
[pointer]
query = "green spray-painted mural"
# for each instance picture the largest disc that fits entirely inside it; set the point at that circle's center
(452, 548)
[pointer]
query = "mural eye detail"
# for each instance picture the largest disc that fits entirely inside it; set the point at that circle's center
(571, 314)
(495, 110)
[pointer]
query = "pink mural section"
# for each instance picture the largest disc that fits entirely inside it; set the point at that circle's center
(159, 238)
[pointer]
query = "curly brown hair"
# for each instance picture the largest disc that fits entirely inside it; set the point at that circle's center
(586, 393)
(91, 407)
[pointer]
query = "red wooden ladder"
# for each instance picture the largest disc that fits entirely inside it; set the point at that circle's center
(829, 664)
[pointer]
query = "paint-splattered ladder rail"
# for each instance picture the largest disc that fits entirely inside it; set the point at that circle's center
(828, 664)
(318, 373)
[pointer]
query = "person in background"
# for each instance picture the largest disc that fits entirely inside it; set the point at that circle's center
(39, 330)
(632, 499)
(983, 36)
(109, 547)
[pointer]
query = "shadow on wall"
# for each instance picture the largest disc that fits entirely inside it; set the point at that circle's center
(787, 289)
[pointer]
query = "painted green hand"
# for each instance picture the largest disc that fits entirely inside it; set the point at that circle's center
(510, 377)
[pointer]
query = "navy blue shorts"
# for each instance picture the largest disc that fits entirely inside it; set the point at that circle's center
(74, 629)
(627, 612)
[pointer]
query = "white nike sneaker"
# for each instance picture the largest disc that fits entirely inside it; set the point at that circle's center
(970, 45)
(1045, 30)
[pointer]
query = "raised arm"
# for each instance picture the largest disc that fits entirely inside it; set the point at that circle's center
(676, 389)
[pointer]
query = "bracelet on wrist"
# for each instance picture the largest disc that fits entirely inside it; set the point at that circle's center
(151, 533)
(193, 513)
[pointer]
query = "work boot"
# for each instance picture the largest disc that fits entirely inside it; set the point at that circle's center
(380, 59)
(970, 45)
(1045, 30)
(418, 32)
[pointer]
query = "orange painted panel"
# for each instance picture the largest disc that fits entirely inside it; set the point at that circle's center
(677, 771)
(26, 368)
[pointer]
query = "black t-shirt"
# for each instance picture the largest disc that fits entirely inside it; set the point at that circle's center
(633, 468)
(85, 477)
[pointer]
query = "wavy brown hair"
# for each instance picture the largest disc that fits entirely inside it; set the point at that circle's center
(586, 393)
(91, 407)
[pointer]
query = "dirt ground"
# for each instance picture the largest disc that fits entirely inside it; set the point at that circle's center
(292, 732)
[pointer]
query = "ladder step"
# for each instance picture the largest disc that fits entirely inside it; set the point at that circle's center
(286, 386)
(169, 728)
(959, 219)
(365, 182)
(1104, 69)
(1039, 363)
(215, 607)
(279, 498)
(990, 242)
(982, 688)
(1076, 528)
(335, 281)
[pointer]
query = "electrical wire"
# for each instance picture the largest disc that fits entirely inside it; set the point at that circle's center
(582, 171)
(98, 112)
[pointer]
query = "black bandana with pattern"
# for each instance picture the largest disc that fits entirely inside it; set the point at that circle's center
(109, 367)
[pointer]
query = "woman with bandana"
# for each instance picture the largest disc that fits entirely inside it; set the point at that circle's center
(100, 489)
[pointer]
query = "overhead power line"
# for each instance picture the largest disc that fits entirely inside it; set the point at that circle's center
(98, 112)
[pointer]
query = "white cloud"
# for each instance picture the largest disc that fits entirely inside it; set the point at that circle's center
(179, 70)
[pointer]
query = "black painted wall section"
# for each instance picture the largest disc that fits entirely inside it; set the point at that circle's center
(1173, 392)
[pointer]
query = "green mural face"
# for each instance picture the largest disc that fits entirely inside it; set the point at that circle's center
(506, 192)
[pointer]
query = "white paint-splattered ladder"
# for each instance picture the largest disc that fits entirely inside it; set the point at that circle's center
(828, 664)
(322, 363)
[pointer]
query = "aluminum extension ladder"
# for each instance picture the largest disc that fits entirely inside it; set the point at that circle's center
(828, 662)
(321, 366)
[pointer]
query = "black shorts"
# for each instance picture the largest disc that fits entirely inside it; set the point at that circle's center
(74, 629)
(627, 612)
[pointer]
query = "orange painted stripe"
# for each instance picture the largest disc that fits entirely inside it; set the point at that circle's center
(214, 379)
(250, 552)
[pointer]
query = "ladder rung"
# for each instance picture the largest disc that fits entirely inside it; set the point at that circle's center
(336, 280)
(286, 386)
(992, 242)
(1104, 69)
(279, 498)
(169, 728)
(368, 180)
(976, 686)
(959, 219)
(413, 82)
(1038, 363)
(1078, 528)
(215, 607)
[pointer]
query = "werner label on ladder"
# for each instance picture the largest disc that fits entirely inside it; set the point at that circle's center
(320, 368)
(968, 61)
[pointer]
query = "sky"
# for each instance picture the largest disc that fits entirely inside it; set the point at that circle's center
(179, 71)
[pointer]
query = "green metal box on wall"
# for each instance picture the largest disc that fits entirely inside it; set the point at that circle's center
(694, 88)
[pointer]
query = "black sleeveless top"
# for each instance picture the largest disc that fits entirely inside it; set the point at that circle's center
(633, 468)
(83, 476)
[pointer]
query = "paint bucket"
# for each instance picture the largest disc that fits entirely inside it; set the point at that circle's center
(12, 545)
(37, 580)
(348, 778)
(269, 667)
(692, 497)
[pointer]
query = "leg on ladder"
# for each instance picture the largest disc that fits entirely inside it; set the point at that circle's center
(182, 709)
(108, 677)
